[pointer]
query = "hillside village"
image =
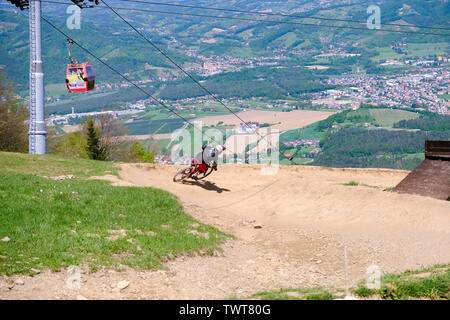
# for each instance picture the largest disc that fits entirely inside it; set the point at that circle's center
(421, 88)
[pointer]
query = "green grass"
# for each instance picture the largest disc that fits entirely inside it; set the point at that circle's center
(414, 50)
(55, 90)
(287, 39)
(299, 294)
(158, 115)
(420, 156)
(386, 53)
(428, 283)
(53, 165)
(298, 161)
(387, 117)
(427, 49)
(78, 99)
(308, 132)
(351, 183)
(355, 184)
(243, 52)
(55, 224)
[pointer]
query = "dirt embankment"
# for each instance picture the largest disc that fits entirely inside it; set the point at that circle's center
(291, 228)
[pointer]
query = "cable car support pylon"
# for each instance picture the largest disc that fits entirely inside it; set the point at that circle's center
(37, 134)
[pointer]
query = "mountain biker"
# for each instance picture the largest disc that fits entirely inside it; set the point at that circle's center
(207, 158)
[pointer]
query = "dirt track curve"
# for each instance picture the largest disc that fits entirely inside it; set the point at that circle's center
(291, 228)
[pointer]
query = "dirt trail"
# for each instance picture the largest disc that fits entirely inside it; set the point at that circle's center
(291, 229)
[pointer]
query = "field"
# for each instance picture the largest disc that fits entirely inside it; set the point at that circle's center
(387, 117)
(143, 127)
(55, 90)
(414, 50)
(283, 120)
(239, 143)
(94, 101)
(308, 132)
(202, 110)
(160, 137)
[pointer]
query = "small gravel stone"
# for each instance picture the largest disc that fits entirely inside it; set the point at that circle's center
(123, 284)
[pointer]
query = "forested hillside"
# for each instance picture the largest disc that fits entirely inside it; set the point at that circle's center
(377, 148)
(177, 34)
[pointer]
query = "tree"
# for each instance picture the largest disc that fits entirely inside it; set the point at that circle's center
(94, 148)
(13, 114)
(53, 139)
(110, 132)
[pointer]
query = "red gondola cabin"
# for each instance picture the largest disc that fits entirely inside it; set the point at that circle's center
(80, 77)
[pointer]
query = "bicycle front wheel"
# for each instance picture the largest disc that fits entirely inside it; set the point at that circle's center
(205, 174)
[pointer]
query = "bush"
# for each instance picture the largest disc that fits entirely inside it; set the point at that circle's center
(364, 292)
(72, 145)
(139, 153)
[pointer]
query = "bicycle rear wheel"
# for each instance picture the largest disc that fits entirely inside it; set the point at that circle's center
(182, 174)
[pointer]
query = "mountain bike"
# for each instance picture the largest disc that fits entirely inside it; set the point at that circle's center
(195, 172)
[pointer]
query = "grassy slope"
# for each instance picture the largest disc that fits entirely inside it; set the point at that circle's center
(54, 224)
(53, 165)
